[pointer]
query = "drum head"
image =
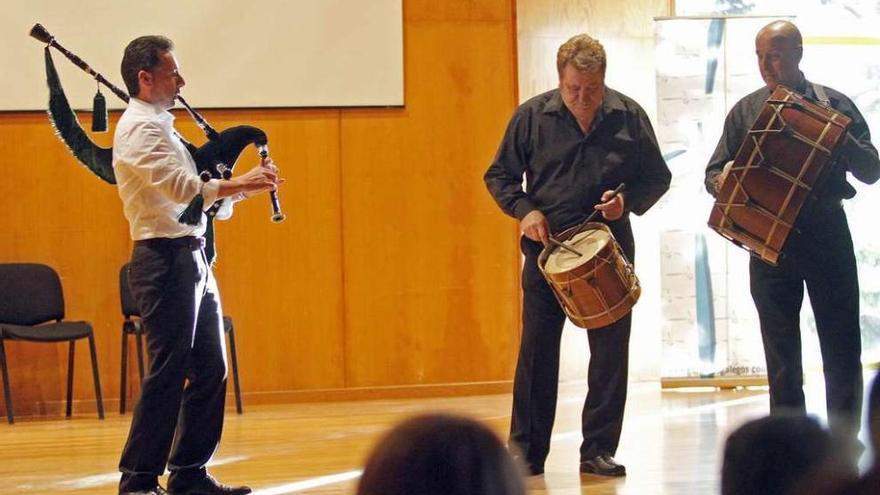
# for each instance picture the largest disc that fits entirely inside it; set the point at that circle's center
(589, 243)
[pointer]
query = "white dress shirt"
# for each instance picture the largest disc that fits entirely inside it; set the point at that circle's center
(155, 174)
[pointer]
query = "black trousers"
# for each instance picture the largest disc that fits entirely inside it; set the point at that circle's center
(820, 257)
(180, 306)
(536, 381)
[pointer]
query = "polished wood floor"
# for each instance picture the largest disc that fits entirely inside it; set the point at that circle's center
(671, 443)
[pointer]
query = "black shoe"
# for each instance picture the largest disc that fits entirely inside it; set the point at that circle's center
(603, 465)
(153, 491)
(206, 486)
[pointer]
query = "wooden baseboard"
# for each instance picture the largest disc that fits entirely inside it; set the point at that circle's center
(373, 393)
(723, 382)
(87, 406)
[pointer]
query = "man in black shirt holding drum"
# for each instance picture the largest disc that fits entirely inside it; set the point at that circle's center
(818, 252)
(574, 145)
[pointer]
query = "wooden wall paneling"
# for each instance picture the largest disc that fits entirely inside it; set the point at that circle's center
(58, 213)
(430, 262)
(627, 18)
(282, 283)
(626, 29)
(466, 11)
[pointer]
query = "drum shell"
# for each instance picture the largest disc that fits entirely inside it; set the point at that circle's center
(774, 173)
(598, 292)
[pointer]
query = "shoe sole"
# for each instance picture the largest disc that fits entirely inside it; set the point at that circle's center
(604, 475)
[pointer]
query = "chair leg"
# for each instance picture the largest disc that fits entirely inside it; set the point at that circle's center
(70, 355)
(7, 393)
(139, 343)
(123, 373)
(139, 338)
(98, 398)
(234, 357)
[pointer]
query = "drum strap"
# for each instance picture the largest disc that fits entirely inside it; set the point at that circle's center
(821, 94)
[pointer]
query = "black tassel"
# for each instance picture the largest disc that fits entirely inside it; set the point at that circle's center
(99, 113)
(192, 215)
(99, 160)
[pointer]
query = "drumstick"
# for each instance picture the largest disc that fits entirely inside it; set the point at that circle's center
(614, 194)
(563, 245)
(590, 218)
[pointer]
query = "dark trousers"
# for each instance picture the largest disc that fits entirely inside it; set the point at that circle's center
(537, 370)
(820, 257)
(175, 424)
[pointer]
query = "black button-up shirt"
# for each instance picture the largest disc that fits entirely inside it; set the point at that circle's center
(566, 169)
(858, 155)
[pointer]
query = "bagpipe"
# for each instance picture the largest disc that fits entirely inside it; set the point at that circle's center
(214, 160)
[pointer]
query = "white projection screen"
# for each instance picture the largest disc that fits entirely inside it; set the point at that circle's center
(232, 53)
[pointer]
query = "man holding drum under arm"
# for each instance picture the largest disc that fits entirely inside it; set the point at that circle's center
(818, 252)
(574, 144)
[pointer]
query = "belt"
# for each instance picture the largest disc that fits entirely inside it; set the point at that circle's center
(188, 242)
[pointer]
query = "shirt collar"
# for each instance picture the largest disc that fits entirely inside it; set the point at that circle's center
(800, 87)
(147, 108)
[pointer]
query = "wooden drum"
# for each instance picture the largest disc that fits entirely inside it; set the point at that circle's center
(597, 288)
(785, 156)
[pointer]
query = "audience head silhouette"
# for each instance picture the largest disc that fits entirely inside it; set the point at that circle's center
(779, 455)
(440, 454)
